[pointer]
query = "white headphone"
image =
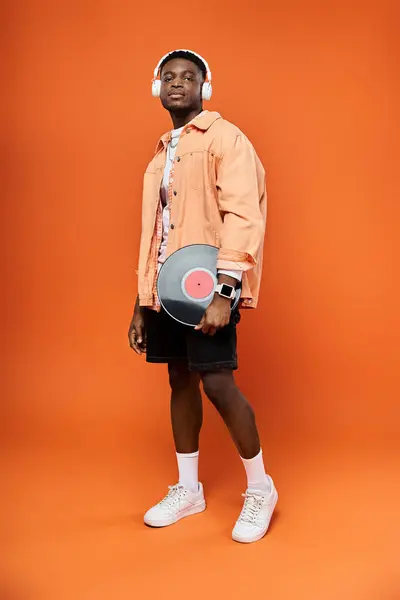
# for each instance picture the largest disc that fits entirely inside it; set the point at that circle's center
(206, 90)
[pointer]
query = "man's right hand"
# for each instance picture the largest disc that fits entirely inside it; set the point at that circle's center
(137, 330)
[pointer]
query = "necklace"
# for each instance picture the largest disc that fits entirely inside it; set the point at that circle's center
(170, 148)
(172, 145)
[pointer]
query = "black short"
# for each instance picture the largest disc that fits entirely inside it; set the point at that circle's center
(169, 341)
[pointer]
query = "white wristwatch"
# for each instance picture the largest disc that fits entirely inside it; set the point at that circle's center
(226, 291)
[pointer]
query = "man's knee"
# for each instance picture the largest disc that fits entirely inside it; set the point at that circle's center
(180, 378)
(217, 386)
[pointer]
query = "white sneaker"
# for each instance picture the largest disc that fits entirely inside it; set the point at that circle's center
(256, 515)
(177, 504)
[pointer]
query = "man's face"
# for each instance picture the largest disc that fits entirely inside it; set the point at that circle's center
(181, 82)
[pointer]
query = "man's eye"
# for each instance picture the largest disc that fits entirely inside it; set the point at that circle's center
(189, 78)
(167, 79)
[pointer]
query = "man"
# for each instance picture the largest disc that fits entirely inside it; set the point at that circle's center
(209, 188)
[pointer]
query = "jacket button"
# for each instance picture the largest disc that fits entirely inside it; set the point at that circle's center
(175, 193)
(178, 159)
(172, 226)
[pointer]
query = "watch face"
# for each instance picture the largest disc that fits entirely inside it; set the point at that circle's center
(226, 290)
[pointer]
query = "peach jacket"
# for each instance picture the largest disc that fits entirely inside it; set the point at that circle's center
(216, 195)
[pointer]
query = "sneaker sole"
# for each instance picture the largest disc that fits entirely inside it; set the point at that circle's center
(262, 533)
(194, 510)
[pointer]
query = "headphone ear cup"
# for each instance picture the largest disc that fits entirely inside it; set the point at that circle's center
(206, 91)
(156, 88)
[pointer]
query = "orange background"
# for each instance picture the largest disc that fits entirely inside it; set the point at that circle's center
(87, 446)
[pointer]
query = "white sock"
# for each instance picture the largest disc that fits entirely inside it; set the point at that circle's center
(188, 466)
(256, 476)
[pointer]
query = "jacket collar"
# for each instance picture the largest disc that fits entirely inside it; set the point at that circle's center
(202, 122)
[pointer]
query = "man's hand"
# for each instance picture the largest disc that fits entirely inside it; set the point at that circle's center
(137, 331)
(216, 317)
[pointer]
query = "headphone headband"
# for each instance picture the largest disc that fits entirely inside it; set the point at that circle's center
(205, 63)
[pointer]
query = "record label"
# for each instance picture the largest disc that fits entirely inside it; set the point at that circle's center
(198, 284)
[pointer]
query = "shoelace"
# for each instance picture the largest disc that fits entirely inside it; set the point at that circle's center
(252, 506)
(175, 494)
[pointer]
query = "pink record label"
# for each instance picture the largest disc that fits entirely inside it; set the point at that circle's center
(199, 284)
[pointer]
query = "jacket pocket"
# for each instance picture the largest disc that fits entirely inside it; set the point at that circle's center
(200, 175)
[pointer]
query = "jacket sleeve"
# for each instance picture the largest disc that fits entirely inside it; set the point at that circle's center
(240, 185)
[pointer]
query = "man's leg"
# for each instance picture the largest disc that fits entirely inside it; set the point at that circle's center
(186, 407)
(215, 358)
(261, 495)
(238, 415)
(187, 419)
(166, 343)
(166, 339)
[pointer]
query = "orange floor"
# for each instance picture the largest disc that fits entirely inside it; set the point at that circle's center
(75, 529)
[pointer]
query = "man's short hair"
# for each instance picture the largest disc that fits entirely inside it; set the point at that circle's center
(188, 56)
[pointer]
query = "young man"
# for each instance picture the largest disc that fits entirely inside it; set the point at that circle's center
(204, 185)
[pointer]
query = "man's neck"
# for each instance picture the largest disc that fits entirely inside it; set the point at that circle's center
(181, 119)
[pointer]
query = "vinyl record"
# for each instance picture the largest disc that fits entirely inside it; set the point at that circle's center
(186, 283)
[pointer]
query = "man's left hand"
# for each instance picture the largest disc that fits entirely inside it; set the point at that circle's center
(216, 317)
